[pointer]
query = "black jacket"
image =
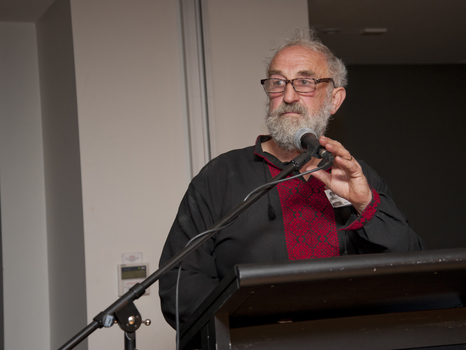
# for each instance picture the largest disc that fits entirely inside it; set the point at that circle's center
(220, 187)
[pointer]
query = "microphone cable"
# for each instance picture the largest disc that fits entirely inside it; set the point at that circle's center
(177, 314)
(322, 167)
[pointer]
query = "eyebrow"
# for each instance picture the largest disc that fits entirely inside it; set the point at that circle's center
(306, 73)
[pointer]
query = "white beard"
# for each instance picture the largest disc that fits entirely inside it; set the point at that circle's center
(282, 129)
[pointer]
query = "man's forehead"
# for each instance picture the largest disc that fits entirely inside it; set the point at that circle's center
(301, 60)
(303, 73)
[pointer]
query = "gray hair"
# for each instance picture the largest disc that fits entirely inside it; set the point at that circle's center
(308, 38)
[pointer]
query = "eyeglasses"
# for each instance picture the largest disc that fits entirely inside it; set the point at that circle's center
(303, 85)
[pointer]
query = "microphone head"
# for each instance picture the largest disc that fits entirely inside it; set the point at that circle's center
(299, 134)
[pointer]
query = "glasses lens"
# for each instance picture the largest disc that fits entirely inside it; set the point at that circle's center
(304, 85)
(274, 85)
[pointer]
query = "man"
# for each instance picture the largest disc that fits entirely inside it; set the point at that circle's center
(299, 219)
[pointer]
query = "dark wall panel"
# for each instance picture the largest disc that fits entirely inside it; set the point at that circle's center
(408, 123)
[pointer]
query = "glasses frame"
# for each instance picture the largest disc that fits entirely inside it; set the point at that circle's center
(316, 81)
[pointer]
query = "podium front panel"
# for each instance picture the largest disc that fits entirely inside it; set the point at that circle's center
(336, 290)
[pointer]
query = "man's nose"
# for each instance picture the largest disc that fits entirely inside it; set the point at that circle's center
(290, 95)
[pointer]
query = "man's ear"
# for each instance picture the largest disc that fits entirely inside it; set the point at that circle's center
(338, 96)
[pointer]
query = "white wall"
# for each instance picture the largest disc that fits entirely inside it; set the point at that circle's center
(25, 276)
(134, 167)
(63, 192)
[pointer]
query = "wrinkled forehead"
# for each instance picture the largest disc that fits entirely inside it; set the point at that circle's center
(295, 61)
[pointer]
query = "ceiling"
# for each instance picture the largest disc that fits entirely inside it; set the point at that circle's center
(400, 31)
(417, 31)
(22, 10)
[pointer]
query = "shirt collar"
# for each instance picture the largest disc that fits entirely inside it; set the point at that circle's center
(269, 158)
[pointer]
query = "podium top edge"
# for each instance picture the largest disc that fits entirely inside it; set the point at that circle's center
(351, 266)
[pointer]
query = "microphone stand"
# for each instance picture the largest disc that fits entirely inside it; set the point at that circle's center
(124, 312)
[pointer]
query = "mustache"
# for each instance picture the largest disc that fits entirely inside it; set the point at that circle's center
(290, 108)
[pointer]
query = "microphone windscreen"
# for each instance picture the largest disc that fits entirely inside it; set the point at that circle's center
(299, 134)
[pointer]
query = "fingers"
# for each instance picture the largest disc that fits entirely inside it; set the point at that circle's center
(346, 178)
(338, 151)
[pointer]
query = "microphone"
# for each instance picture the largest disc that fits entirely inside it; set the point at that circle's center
(306, 139)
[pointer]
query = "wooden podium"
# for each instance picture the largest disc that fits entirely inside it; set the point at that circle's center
(375, 301)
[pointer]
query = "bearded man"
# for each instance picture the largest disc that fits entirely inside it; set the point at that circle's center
(347, 209)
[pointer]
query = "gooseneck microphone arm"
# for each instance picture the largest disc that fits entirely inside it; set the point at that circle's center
(123, 309)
